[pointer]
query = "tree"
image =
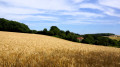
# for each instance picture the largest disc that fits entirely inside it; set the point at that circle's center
(14, 26)
(39, 32)
(88, 39)
(102, 34)
(51, 33)
(33, 31)
(62, 34)
(55, 30)
(67, 32)
(45, 31)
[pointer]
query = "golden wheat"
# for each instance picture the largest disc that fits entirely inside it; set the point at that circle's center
(31, 50)
(115, 38)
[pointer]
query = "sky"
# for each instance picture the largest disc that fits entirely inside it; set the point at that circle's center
(79, 16)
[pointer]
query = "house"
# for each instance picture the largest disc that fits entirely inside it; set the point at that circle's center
(80, 38)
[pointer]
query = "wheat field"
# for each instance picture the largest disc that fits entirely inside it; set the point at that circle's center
(115, 38)
(32, 50)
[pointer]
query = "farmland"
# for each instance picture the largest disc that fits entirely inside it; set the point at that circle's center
(33, 50)
(115, 37)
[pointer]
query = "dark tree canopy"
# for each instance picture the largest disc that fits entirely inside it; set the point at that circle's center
(45, 31)
(6, 25)
(55, 30)
(102, 34)
(100, 40)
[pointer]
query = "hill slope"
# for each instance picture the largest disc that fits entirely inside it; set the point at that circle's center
(20, 49)
(116, 37)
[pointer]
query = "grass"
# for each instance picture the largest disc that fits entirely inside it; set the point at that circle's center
(31, 50)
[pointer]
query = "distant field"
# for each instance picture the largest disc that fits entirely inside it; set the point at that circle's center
(116, 38)
(31, 50)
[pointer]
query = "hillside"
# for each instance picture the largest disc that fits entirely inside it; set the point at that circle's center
(32, 50)
(116, 37)
(96, 39)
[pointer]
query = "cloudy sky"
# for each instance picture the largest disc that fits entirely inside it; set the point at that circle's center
(79, 16)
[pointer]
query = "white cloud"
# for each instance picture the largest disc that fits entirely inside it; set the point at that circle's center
(84, 14)
(111, 12)
(30, 18)
(52, 10)
(104, 9)
(110, 3)
(77, 1)
(14, 10)
(41, 4)
(21, 12)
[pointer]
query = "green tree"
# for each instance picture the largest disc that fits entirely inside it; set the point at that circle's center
(67, 32)
(14, 26)
(88, 39)
(62, 34)
(45, 31)
(55, 30)
(33, 31)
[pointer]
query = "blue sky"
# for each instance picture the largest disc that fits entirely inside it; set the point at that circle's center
(79, 16)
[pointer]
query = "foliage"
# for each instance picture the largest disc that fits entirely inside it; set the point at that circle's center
(33, 31)
(55, 31)
(100, 40)
(102, 34)
(6, 25)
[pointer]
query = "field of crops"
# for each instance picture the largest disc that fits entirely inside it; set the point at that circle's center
(31, 50)
(115, 37)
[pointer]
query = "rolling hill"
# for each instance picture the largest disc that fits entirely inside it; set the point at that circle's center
(32, 50)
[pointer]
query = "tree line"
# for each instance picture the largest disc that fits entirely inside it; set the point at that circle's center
(100, 40)
(13, 26)
(55, 31)
(96, 39)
